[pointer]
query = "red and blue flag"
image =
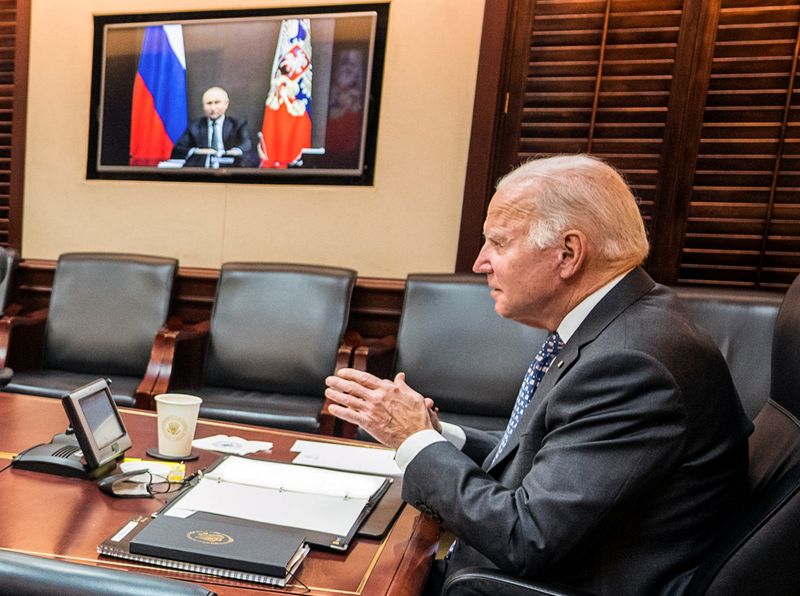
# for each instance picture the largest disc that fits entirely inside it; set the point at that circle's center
(159, 113)
(286, 130)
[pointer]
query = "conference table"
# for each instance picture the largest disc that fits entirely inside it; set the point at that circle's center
(66, 518)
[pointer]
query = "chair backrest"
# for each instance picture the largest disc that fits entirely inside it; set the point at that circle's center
(38, 576)
(105, 310)
(759, 554)
(456, 350)
(276, 327)
(741, 324)
(9, 259)
(775, 443)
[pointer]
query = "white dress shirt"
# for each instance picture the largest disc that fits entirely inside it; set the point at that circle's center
(211, 125)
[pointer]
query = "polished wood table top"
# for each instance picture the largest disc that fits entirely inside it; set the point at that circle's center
(66, 518)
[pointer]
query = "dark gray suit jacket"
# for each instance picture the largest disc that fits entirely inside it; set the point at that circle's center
(234, 134)
(629, 459)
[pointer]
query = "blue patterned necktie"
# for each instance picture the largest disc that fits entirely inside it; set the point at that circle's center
(539, 365)
(541, 362)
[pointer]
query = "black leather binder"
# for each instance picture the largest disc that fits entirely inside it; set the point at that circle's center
(208, 539)
(267, 471)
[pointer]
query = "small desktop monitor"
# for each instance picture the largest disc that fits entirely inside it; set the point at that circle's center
(90, 447)
(97, 424)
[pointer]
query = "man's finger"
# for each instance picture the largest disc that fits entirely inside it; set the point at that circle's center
(344, 398)
(359, 376)
(351, 387)
(346, 414)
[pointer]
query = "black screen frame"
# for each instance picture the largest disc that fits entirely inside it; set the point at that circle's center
(239, 175)
(96, 455)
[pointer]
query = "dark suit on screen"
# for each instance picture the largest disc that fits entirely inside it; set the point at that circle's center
(630, 457)
(234, 134)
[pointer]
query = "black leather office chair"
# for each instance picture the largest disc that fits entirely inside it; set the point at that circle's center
(38, 576)
(741, 323)
(9, 259)
(275, 333)
(759, 552)
(105, 310)
(8, 265)
(456, 350)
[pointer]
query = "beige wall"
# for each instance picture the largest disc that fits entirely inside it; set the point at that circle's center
(408, 221)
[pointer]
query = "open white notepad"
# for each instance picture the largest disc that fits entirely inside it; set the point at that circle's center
(328, 502)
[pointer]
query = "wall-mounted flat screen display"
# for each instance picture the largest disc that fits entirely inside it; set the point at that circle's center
(263, 96)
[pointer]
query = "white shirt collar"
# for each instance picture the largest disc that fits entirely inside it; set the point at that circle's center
(573, 319)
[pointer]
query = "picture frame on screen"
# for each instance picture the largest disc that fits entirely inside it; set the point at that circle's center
(271, 95)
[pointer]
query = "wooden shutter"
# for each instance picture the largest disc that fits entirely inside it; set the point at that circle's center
(7, 40)
(14, 20)
(598, 80)
(743, 224)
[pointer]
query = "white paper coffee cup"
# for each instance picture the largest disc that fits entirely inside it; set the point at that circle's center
(177, 418)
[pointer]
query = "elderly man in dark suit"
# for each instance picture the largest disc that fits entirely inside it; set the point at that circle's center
(216, 139)
(627, 449)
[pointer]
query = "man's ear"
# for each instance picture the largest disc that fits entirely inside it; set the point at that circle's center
(572, 255)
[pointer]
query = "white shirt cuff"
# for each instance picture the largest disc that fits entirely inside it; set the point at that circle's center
(411, 447)
(454, 433)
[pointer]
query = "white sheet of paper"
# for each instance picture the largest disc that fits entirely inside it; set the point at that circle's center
(368, 460)
(320, 513)
(296, 479)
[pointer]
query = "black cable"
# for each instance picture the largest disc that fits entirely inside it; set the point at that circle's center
(293, 577)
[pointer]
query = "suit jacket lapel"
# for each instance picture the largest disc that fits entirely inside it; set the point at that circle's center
(227, 127)
(630, 288)
(200, 131)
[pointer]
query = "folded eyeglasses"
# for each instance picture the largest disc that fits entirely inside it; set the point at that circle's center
(139, 483)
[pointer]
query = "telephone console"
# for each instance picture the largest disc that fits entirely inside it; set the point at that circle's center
(94, 441)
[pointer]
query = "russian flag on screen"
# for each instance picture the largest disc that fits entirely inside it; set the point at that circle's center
(159, 110)
(286, 130)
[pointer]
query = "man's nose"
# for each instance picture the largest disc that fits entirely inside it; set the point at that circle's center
(481, 264)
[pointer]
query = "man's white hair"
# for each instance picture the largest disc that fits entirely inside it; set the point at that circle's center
(216, 89)
(581, 192)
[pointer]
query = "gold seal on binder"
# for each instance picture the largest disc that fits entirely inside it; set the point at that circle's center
(209, 537)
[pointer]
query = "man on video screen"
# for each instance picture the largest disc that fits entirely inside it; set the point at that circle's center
(216, 140)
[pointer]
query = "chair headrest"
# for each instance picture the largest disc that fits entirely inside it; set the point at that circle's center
(785, 388)
(3, 263)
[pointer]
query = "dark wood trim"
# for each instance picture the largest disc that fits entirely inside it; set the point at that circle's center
(376, 306)
(514, 67)
(486, 116)
(20, 107)
(193, 296)
(693, 60)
